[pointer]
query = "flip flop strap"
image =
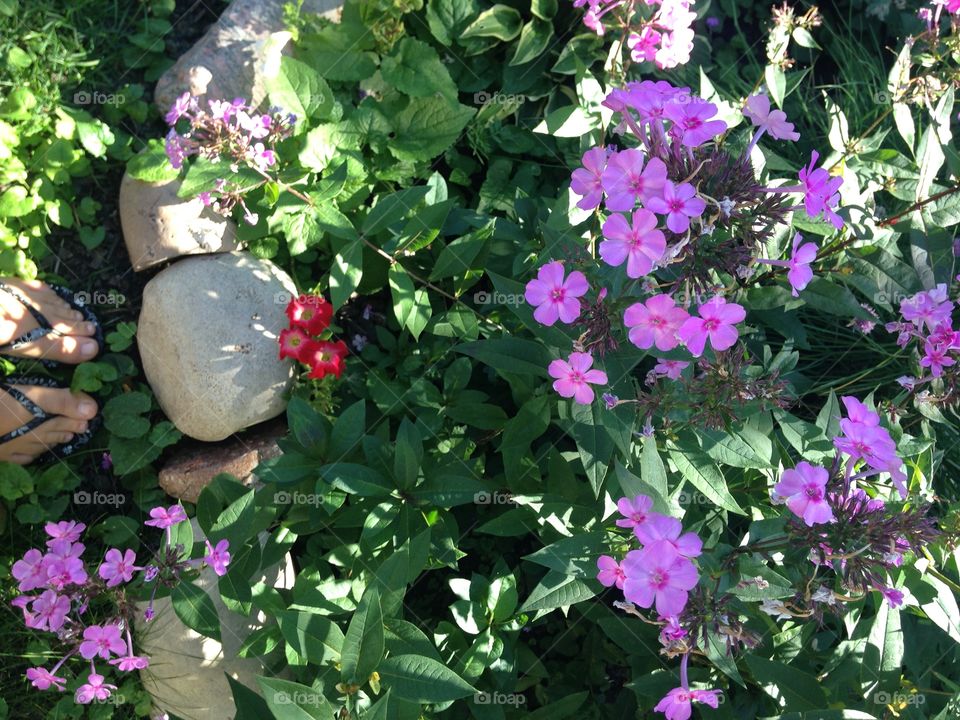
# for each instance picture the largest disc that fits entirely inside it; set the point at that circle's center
(40, 416)
(32, 335)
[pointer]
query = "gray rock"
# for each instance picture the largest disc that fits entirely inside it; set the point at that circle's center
(227, 61)
(208, 342)
(158, 226)
(186, 672)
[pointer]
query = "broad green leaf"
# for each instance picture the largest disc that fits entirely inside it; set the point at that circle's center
(557, 590)
(414, 68)
(346, 272)
(297, 88)
(776, 83)
(196, 609)
(797, 689)
(534, 39)
(314, 638)
(292, 701)
(501, 22)
(363, 645)
(421, 679)
(411, 306)
(426, 127)
(700, 471)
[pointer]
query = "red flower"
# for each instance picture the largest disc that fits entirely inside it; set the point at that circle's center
(292, 343)
(311, 313)
(324, 357)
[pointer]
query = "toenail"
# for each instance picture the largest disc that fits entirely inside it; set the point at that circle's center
(88, 408)
(76, 315)
(88, 347)
(89, 327)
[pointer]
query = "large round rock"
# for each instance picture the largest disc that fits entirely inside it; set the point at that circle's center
(208, 341)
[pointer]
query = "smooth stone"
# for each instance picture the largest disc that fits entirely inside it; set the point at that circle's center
(158, 226)
(186, 672)
(208, 335)
(228, 61)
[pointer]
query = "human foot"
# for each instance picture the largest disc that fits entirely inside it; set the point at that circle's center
(67, 415)
(70, 339)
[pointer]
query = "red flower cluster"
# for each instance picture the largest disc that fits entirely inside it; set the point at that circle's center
(309, 316)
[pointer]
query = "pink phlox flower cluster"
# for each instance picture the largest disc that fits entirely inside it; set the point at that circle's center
(928, 319)
(799, 272)
(863, 438)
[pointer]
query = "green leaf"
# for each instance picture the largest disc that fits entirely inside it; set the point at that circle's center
(832, 298)
(743, 448)
(408, 455)
(426, 127)
(882, 660)
(414, 68)
(15, 201)
(501, 22)
(576, 556)
(203, 174)
(356, 479)
(314, 638)
(346, 272)
(411, 306)
(449, 18)
(421, 679)
(392, 207)
(697, 468)
(249, 705)
(776, 83)
(534, 39)
(544, 9)
(292, 701)
(302, 230)
(196, 609)
(509, 355)
(151, 164)
(457, 258)
(651, 467)
(796, 688)
(297, 88)
(363, 645)
(557, 590)
(122, 415)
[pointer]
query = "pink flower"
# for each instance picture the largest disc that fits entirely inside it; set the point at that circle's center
(658, 574)
(585, 181)
(64, 530)
(131, 662)
(820, 192)
(262, 157)
(635, 511)
(181, 106)
(892, 595)
(640, 244)
(676, 705)
(858, 412)
(655, 322)
(670, 368)
(592, 20)
(804, 489)
(49, 611)
(554, 296)
(676, 46)
(679, 204)
(217, 557)
(773, 122)
(64, 570)
(644, 46)
(103, 641)
(663, 528)
(177, 149)
(936, 358)
(931, 308)
(716, 323)
(610, 572)
(30, 571)
(94, 689)
(166, 517)
(573, 377)
(41, 679)
(626, 180)
(799, 273)
(257, 126)
(692, 123)
(118, 567)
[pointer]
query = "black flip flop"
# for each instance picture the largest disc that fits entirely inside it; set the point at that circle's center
(45, 328)
(40, 416)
